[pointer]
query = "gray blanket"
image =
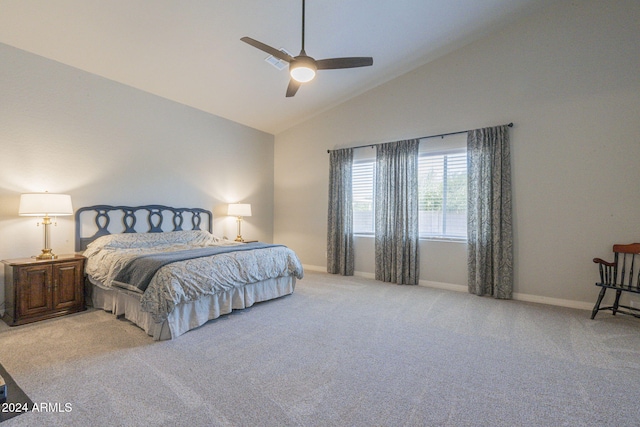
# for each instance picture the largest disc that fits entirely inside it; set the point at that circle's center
(139, 271)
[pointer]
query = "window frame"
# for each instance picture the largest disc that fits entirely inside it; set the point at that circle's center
(443, 152)
(357, 162)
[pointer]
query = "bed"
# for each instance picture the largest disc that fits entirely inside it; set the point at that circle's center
(162, 268)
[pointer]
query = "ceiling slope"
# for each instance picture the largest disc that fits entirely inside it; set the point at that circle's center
(190, 51)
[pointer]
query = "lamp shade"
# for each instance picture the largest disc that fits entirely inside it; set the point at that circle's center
(45, 204)
(239, 209)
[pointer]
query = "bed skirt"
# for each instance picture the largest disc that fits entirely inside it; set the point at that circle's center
(189, 315)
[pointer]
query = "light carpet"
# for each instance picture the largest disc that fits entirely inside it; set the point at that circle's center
(14, 400)
(338, 352)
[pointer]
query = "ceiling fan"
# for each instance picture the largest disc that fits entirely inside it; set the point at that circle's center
(302, 68)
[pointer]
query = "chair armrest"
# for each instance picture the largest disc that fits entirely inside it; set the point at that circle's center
(601, 261)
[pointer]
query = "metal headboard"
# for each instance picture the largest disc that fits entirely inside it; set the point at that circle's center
(154, 215)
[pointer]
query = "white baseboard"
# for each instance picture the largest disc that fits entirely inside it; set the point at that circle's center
(365, 275)
(580, 305)
(442, 285)
(321, 269)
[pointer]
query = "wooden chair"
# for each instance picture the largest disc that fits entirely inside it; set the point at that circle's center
(620, 275)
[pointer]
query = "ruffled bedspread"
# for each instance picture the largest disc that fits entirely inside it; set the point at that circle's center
(188, 280)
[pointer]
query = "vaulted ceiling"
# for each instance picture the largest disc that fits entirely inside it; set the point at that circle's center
(190, 51)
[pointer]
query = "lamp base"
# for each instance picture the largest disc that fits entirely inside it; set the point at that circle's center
(239, 233)
(47, 254)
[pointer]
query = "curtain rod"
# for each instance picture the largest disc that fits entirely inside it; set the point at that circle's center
(442, 135)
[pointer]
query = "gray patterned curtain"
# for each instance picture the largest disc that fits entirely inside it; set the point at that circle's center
(340, 257)
(396, 212)
(489, 225)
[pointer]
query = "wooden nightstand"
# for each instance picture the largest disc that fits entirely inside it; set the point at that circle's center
(37, 290)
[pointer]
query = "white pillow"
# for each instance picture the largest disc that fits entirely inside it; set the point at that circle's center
(148, 240)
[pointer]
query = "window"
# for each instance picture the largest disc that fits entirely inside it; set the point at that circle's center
(442, 192)
(362, 175)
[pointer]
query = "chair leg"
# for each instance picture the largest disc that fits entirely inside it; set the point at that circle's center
(615, 304)
(597, 306)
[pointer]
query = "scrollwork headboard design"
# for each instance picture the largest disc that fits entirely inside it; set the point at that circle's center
(153, 214)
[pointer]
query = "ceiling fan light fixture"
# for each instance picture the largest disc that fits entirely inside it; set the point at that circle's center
(303, 69)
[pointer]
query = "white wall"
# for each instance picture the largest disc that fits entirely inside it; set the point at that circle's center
(65, 130)
(569, 78)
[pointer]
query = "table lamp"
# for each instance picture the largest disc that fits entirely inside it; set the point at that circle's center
(239, 210)
(45, 205)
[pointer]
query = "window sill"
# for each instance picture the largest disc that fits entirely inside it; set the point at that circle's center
(444, 239)
(430, 239)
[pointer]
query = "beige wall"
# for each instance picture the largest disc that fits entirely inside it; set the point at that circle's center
(65, 130)
(569, 78)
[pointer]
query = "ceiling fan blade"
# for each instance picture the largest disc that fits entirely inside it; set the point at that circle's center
(293, 87)
(352, 62)
(266, 48)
